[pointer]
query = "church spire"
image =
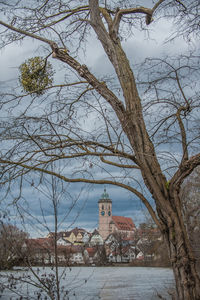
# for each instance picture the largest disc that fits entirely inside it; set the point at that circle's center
(105, 195)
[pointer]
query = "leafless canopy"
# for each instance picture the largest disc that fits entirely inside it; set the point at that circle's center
(146, 128)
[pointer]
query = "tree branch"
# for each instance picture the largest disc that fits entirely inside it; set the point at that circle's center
(26, 33)
(137, 10)
(83, 71)
(184, 170)
(183, 134)
(84, 180)
(118, 165)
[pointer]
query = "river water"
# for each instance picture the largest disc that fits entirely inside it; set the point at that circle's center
(94, 283)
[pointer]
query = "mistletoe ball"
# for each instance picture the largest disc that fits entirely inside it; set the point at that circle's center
(36, 74)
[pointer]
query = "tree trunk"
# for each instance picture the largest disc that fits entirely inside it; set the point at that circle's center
(181, 256)
(169, 209)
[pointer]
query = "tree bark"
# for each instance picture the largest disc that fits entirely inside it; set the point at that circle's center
(169, 211)
(181, 256)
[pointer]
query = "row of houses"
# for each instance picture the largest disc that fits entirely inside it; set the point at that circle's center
(76, 236)
(81, 247)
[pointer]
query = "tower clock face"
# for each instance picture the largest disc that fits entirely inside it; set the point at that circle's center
(109, 213)
(102, 213)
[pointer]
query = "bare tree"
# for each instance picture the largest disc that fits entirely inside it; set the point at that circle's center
(42, 257)
(151, 244)
(12, 240)
(121, 136)
(101, 257)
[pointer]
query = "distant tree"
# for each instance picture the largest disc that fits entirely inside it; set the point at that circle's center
(148, 240)
(12, 240)
(101, 257)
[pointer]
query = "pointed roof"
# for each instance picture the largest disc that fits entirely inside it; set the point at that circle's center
(95, 232)
(77, 230)
(105, 197)
(123, 223)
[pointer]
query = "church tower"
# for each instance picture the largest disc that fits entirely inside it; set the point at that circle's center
(105, 214)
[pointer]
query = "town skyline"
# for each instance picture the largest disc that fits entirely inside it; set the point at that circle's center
(85, 212)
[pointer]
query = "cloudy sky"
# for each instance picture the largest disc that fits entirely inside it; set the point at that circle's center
(85, 210)
(77, 206)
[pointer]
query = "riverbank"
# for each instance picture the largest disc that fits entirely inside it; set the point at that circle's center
(136, 263)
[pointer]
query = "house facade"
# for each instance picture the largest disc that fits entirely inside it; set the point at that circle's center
(96, 239)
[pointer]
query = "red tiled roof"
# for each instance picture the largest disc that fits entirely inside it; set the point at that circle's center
(123, 223)
(91, 251)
